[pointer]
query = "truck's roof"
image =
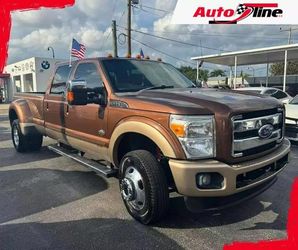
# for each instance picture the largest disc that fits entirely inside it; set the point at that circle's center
(110, 58)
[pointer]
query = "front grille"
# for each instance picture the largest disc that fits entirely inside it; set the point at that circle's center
(254, 176)
(250, 132)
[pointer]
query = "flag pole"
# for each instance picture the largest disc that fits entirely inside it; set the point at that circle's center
(70, 52)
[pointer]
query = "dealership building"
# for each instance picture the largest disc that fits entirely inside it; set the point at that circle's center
(30, 75)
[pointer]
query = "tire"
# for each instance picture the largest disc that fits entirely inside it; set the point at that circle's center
(143, 186)
(24, 143)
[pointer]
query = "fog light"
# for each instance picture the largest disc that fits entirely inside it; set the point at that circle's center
(204, 180)
(210, 181)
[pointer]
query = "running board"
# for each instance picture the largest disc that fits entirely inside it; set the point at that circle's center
(95, 166)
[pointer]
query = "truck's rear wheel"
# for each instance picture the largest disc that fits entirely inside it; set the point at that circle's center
(23, 143)
(143, 186)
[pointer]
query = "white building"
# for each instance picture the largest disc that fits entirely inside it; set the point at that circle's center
(31, 75)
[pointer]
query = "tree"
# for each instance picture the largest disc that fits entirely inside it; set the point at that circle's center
(277, 69)
(191, 73)
(217, 72)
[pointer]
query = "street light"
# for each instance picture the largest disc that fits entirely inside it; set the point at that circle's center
(53, 51)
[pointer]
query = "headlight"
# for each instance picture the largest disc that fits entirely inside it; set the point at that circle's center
(196, 135)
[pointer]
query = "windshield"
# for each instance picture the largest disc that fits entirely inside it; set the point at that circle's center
(128, 75)
(295, 100)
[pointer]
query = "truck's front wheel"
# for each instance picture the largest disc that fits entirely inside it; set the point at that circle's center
(143, 186)
(23, 143)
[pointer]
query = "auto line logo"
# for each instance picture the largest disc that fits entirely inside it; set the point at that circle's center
(235, 12)
(243, 11)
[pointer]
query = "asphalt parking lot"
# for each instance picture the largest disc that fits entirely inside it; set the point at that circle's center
(50, 202)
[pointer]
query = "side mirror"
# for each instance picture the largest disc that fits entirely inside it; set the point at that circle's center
(77, 93)
(99, 97)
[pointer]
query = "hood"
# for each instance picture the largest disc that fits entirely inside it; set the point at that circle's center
(291, 112)
(200, 101)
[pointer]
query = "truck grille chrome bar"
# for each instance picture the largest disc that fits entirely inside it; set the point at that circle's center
(247, 133)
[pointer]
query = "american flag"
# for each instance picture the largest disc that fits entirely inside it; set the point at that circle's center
(78, 50)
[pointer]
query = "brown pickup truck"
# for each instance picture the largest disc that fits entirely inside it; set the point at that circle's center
(145, 123)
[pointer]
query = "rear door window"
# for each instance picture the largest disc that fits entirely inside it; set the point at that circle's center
(60, 80)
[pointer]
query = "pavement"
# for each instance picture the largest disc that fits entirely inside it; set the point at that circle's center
(50, 202)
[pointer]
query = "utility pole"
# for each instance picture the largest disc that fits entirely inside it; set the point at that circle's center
(114, 29)
(129, 27)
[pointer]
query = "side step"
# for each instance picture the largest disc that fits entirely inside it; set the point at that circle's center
(97, 167)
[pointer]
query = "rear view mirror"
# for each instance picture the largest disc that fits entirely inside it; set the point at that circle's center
(77, 93)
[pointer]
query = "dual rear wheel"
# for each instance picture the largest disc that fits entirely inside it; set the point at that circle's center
(24, 143)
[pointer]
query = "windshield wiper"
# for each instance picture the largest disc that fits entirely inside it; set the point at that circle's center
(158, 87)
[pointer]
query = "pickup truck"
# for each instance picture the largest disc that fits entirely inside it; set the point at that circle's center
(145, 123)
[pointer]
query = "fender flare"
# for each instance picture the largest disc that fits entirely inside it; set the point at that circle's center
(145, 127)
(22, 109)
(24, 114)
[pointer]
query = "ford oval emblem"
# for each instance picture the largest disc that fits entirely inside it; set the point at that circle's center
(266, 131)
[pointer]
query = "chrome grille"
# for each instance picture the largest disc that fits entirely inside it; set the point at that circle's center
(246, 133)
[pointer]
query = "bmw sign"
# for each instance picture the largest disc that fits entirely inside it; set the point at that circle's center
(45, 65)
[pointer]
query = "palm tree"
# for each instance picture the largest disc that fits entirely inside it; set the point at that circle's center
(217, 72)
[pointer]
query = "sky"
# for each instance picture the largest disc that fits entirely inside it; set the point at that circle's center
(89, 21)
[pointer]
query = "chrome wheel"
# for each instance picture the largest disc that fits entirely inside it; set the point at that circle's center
(133, 189)
(16, 137)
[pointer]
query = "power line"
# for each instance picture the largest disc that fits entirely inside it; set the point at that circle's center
(141, 9)
(107, 38)
(164, 53)
(152, 8)
(176, 41)
(219, 35)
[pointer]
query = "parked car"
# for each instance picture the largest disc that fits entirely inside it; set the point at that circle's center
(273, 92)
(292, 120)
(145, 123)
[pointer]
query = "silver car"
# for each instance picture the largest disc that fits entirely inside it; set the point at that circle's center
(274, 92)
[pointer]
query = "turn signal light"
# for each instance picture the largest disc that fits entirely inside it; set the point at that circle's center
(178, 129)
(70, 97)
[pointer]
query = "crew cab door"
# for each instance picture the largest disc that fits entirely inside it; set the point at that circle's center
(54, 104)
(86, 126)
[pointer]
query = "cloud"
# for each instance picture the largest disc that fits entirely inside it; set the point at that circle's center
(89, 21)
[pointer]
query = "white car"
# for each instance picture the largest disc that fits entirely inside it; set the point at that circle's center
(274, 92)
(292, 120)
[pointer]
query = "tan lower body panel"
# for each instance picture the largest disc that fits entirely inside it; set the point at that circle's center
(94, 151)
(184, 173)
